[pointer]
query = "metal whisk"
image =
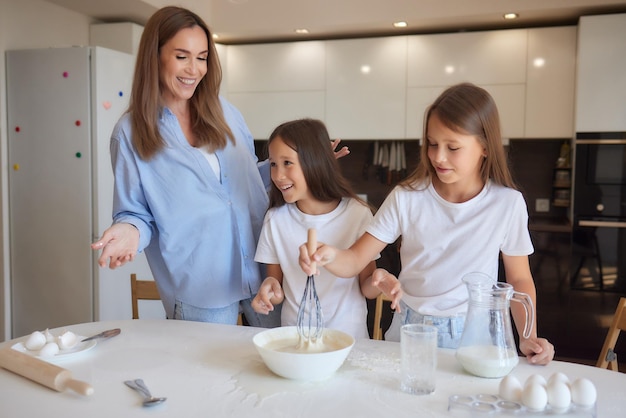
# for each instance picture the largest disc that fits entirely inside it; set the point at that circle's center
(310, 321)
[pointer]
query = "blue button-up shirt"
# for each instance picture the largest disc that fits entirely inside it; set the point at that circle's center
(199, 232)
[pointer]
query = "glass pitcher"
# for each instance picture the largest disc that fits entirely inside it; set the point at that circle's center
(487, 347)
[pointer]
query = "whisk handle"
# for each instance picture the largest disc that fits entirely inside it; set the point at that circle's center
(311, 244)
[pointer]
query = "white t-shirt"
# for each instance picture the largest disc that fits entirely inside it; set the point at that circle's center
(443, 241)
(285, 229)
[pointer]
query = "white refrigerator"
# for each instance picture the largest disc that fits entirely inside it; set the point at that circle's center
(62, 106)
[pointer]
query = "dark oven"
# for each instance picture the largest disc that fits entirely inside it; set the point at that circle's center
(598, 259)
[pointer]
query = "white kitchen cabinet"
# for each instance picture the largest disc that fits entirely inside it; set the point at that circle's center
(491, 57)
(366, 88)
(550, 83)
(417, 100)
(288, 66)
(274, 83)
(494, 60)
(266, 110)
(601, 74)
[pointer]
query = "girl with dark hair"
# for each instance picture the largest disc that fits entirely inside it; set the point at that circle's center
(309, 191)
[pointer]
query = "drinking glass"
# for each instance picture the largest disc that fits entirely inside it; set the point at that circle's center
(418, 351)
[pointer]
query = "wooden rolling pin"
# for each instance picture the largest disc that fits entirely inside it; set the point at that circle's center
(42, 372)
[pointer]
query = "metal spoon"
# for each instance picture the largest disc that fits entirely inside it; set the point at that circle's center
(140, 386)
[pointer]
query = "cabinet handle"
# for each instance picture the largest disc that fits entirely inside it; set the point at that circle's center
(603, 224)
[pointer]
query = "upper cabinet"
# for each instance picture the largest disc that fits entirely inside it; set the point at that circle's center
(379, 88)
(366, 88)
(274, 83)
(550, 82)
(601, 76)
(494, 57)
(494, 60)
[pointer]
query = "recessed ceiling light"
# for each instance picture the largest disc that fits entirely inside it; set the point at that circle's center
(215, 36)
(510, 16)
(302, 31)
(400, 24)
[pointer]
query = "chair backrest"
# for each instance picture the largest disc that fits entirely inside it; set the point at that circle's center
(377, 333)
(608, 358)
(142, 289)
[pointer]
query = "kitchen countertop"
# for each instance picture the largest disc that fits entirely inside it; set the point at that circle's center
(214, 370)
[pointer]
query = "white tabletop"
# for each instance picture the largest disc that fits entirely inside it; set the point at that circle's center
(208, 370)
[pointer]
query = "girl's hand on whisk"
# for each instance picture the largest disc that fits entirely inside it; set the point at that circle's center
(323, 255)
(389, 285)
(270, 294)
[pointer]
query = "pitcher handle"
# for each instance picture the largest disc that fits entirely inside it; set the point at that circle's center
(525, 300)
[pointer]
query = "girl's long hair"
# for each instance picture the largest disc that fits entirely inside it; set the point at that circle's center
(208, 123)
(468, 110)
(310, 139)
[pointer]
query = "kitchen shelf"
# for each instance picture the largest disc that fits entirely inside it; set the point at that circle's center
(561, 187)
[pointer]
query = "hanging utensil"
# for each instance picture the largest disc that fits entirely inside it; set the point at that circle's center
(310, 322)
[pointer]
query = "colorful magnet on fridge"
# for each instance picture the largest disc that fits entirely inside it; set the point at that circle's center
(17, 129)
(106, 105)
(78, 155)
(77, 123)
(16, 167)
(121, 93)
(65, 74)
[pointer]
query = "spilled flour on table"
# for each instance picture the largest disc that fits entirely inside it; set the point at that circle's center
(258, 383)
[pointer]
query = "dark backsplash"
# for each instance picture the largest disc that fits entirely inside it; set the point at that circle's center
(532, 164)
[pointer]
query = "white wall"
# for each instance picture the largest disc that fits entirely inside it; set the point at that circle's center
(26, 24)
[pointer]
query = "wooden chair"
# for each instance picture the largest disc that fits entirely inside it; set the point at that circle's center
(147, 290)
(144, 290)
(377, 333)
(608, 358)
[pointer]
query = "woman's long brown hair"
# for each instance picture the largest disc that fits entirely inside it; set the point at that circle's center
(208, 123)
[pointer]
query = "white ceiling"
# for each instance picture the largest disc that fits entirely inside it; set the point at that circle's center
(244, 21)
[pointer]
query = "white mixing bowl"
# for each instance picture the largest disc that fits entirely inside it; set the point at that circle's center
(301, 364)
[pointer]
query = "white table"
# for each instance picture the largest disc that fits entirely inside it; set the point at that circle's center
(209, 370)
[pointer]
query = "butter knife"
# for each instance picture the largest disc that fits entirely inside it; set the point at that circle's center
(105, 334)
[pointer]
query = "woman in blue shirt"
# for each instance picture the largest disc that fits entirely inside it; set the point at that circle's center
(188, 187)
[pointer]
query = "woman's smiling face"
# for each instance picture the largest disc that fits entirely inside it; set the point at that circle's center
(183, 63)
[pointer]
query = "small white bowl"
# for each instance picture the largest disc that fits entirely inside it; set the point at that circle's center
(302, 365)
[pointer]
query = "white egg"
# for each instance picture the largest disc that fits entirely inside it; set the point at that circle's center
(510, 389)
(559, 395)
(583, 392)
(536, 378)
(49, 336)
(558, 377)
(67, 340)
(534, 396)
(49, 350)
(35, 341)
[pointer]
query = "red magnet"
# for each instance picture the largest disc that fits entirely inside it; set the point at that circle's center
(17, 129)
(77, 123)
(65, 74)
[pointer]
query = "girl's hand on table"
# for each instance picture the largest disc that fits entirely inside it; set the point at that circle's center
(537, 350)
